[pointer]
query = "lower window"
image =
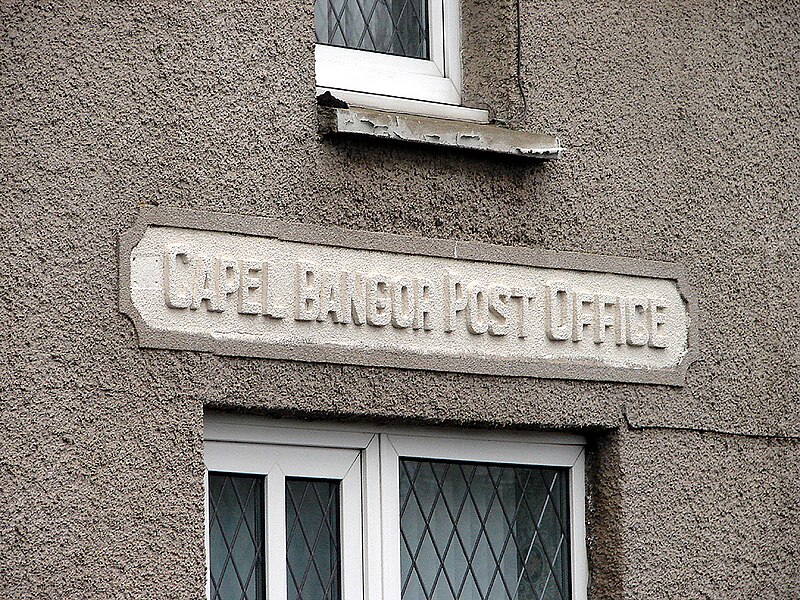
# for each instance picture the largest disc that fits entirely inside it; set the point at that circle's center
(303, 511)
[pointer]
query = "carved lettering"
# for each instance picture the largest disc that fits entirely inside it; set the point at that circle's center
(657, 313)
(355, 298)
(423, 304)
(330, 298)
(637, 322)
(523, 297)
(633, 321)
(604, 319)
(402, 303)
(205, 283)
(228, 280)
(499, 311)
(250, 287)
(307, 287)
(379, 312)
(455, 300)
(477, 308)
(558, 311)
(619, 313)
(177, 293)
(583, 314)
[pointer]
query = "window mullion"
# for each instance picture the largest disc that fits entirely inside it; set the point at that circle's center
(275, 533)
(390, 518)
(372, 551)
(207, 506)
(352, 531)
(579, 567)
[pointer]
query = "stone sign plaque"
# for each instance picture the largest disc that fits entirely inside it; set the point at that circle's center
(250, 286)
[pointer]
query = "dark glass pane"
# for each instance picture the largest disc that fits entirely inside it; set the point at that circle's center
(473, 531)
(387, 26)
(312, 539)
(236, 536)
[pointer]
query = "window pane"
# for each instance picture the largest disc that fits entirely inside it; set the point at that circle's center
(236, 536)
(312, 539)
(474, 531)
(388, 26)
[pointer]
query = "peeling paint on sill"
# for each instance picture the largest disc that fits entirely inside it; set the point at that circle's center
(438, 132)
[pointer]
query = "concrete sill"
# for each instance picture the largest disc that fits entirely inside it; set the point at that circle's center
(439, 132)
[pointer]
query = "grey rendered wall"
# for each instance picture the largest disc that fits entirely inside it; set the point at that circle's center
(690, 514)
(681, 125)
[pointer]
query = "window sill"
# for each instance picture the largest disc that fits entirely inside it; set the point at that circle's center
(436, 131)
(399, 104)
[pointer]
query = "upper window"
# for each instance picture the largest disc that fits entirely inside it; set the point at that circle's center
(398, 27)
(396, 54)
(316, 512)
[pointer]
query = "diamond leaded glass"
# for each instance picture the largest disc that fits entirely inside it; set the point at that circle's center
(236, 536)
(312, 539)
(474, 531)
(388, 26)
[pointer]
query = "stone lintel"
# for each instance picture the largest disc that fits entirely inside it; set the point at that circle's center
(439, 132)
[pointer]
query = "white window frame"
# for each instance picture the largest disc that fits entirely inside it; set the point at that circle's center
(429, 87)
(367, 460)
(276, 463)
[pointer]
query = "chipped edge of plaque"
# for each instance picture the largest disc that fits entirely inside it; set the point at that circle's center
(401, 244)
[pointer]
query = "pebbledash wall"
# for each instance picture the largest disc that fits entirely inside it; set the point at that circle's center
(680, 125)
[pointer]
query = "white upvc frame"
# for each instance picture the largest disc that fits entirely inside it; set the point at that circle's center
(276, 463)
(480, 449)
(430, 87)
(366, 458)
